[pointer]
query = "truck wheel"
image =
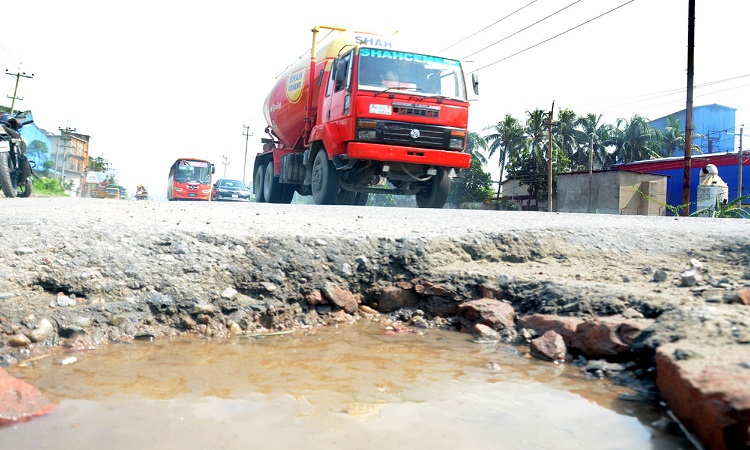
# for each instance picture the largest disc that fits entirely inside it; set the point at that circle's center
(351, 198)
(273, 191)
(258, 184)
(345, 197)
(8, 188)
(436, 193)
(362, 198)
(287, 193)
(325, 180)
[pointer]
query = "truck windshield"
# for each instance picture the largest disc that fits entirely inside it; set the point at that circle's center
(414, 72)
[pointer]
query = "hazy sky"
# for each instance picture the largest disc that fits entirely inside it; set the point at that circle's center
(151, 81)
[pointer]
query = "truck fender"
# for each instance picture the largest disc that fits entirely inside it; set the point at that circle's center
(331, 137)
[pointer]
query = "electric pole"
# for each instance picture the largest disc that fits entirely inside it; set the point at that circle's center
(739, 167)
(65, 138)
(247, 135)
(18, 76)
(549, 181)
(225, 161)
(689, 111)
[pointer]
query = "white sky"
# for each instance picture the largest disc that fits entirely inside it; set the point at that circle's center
(151, 81)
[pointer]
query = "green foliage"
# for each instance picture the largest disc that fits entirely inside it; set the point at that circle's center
(474, 185)
(37, 150)
(47, 186)
(731, 210)
(675, 210)
(97, 164)
(503, 204)
(382, 200)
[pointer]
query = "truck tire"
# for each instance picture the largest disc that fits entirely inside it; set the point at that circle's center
(325, 180)
(258, 183)
(5, 180)
(362, 198)
(275, 191)
(436, 193)
(352, 198)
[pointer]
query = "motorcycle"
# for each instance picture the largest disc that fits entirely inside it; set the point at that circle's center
(141, 193)
(15, 167)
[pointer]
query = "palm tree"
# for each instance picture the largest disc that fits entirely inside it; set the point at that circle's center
(529, 163)
(506, 138)
(674, 137)
(475, 143)
(635, 140)
(567, 137)
(593, 136)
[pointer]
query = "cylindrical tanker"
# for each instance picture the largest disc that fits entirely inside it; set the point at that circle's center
(284, 108)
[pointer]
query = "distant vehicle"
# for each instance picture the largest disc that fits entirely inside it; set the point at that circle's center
(141, 192)
(112, 192)
(230, 189)
(190, 179)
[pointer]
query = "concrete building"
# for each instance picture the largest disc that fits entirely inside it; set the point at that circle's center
(70, 154)
(612, 192)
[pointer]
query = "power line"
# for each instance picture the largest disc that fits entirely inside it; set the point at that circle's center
(522, 29)
(553, 37)
(681, 91)
(488, 26)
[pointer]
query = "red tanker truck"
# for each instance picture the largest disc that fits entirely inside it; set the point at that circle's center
(361, 117)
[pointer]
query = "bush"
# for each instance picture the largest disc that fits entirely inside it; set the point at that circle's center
(47, 186)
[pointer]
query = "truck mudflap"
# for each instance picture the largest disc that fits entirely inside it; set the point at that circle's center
(394, 153)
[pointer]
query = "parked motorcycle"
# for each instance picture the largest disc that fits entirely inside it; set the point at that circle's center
(15, 167)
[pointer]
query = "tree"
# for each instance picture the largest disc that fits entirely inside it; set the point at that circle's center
(592, 133)
(635, 140)
(566, 137)
(97, 164)
(528, 165)
(475, 185)
(37, 151)
(506, 139)
(674, 137)
(475, 143)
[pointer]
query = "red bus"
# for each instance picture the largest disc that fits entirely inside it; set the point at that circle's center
(190, 179)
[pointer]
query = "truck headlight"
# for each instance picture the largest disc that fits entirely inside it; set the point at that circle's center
(367, 135)
(456, 143)
(367, 130)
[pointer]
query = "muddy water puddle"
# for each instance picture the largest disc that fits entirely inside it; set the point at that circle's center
(347, 388)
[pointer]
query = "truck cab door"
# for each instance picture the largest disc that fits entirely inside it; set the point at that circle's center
(337, 102)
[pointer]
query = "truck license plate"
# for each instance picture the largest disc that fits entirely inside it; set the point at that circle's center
(4, 146)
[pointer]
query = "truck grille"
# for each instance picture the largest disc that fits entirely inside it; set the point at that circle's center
(428, 136)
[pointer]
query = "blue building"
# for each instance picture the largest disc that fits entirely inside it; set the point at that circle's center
(38, 145)
(713, 128)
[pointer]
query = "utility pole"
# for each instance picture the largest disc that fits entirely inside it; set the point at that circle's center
(247, 135)
(65, 138)
(689, 111)
(226, 162)
(739, 166)
(18, 76)
(549, 181)
(591, 167)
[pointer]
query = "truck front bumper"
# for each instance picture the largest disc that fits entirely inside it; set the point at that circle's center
(411, 155)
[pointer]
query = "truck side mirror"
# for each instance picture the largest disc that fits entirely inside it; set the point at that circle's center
(475, 83)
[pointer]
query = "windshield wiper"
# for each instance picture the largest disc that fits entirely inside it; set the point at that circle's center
(398, 88)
